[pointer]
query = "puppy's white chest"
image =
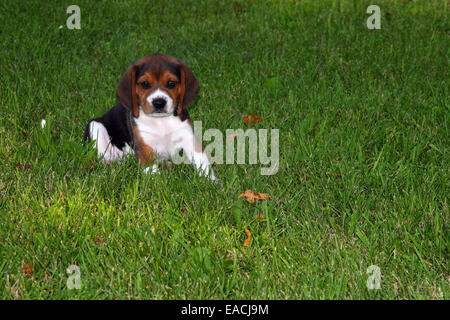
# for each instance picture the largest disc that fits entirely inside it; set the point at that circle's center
(163, 134)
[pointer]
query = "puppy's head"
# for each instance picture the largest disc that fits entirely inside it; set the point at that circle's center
(158, 84)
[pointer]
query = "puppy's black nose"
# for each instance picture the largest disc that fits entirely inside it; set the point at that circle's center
(159, 103)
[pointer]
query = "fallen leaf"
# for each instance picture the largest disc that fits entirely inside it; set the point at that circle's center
(252, 196)
(27, 269)
(62, 197)
(99, 240)
(254, 118)
(23, 167)
(334, 175)
(247, 241)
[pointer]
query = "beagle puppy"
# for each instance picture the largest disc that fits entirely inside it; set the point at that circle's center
(151, 119)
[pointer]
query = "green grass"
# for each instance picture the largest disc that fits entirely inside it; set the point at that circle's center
(364, 152)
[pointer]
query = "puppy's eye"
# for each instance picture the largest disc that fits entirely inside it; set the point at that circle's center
(144, 84)
(171, 84)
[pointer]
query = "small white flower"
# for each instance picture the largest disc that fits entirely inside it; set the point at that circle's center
(43, 122)
(154, 169)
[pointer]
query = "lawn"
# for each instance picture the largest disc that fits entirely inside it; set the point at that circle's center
(363, 120)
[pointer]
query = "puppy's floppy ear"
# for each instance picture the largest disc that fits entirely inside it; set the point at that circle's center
(189, 86)
(126, 90)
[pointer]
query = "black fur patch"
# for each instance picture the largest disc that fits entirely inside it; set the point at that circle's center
(115, 122)
(184, 114)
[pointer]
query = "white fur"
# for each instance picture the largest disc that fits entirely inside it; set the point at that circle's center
(168, 135)
(105, 149)
(169, 102)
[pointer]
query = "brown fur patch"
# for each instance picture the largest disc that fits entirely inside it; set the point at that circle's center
(174, 93)
(142, 93)
(144, 153)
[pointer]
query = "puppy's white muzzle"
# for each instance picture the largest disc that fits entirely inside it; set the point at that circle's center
(168, 108)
